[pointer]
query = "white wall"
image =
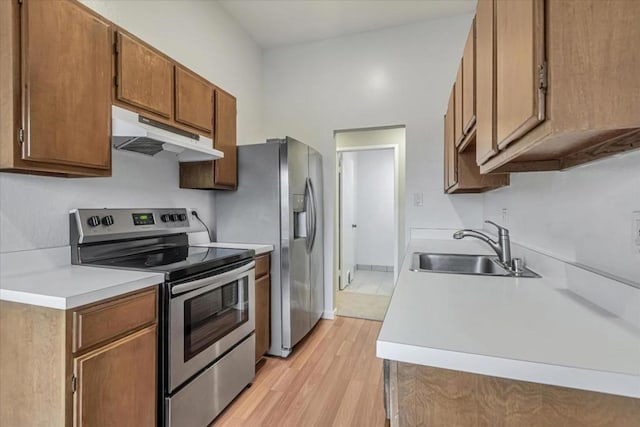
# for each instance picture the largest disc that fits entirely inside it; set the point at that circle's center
(582, 215)
(199, 34)
(375, 207)
(395, 76)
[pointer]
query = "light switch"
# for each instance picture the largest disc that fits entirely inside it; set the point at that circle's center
(418, 200)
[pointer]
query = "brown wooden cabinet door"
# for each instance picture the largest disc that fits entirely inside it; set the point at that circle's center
(194, 101)
(469, 81)
(519, 56)
(144, 77)
(263, 318)
(486, 145)
(450, 154)
(66, 60)
(116, 384)
(226, 169)
(458, 135)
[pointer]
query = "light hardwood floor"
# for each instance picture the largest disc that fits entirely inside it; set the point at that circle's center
(333, 378)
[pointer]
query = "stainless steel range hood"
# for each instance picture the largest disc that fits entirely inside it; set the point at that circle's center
(133, 132)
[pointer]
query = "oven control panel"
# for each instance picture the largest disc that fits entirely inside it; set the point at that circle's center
(143, 218)
(88, 225)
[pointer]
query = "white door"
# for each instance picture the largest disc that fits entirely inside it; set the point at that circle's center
(348, 226)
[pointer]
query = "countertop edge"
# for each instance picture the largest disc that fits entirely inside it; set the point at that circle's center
(563, 376)
(65, 303)
(257, 247)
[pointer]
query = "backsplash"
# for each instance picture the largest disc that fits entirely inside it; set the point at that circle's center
(34, 210)
(582, 215)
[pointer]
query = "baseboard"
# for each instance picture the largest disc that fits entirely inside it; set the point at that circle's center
(369, 267)
(330, 315)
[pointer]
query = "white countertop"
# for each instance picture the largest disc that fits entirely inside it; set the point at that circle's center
(259, 249)
(525, 329)
(46, 278)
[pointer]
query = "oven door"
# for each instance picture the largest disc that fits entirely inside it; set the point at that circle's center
(207, 317)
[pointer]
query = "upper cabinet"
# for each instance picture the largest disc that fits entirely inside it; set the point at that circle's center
(194, 100)
(557, 83)
(520, 92)
(469, 82)
(56, 89)
(226, 170)
(465, 93)
(144, 78)
(219, 174)
(63, 66)
(157, 87)
(449, 144)
(485, 81)
(457, 121)
(461, 173)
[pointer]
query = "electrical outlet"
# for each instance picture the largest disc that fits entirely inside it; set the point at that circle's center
(418, 200)
(636, 228)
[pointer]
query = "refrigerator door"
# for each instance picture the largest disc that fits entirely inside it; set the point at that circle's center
(316, 267)
(294, 168)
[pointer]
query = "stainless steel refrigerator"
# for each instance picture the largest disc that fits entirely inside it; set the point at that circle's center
(279, 202)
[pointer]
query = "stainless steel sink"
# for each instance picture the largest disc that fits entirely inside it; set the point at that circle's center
(482, 265)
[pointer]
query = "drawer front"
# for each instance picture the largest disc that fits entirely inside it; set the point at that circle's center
(263, 265)
(102, 322)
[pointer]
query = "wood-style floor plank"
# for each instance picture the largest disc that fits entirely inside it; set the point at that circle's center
(333, 378)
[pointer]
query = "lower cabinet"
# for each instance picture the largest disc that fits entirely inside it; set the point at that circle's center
(116, 384)
(421, 395)
(94, 365)
(263, 305)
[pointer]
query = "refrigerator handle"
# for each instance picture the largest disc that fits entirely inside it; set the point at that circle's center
(314, 215)
(309, 213)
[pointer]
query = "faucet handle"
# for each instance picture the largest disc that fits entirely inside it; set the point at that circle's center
(501, 229)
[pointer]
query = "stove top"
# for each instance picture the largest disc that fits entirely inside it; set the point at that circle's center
(147, 239)
(178, 262)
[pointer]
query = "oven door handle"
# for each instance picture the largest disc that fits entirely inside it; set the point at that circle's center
(218, 279)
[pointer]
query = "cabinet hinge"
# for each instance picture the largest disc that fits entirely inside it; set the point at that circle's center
(74, 384)
(21, 135)
(542, 76)
(542, 91)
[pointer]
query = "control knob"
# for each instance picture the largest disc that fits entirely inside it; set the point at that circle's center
(165, 218)
(107, 220)
(175, 217)
(183, 217)
(93, 221)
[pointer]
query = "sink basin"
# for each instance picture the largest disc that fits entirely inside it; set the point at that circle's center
(483, 265)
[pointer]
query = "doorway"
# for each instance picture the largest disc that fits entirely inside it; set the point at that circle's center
(367, 220)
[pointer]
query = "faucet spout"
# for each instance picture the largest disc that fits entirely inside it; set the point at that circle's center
(502, 247)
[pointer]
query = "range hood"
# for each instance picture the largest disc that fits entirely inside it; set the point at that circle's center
(133, 132)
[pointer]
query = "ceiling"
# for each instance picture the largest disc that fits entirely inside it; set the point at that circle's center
(274, 23)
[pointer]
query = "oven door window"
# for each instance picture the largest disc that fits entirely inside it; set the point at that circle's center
(212, 315)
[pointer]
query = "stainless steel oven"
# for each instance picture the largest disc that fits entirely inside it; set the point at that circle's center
(207, 317)
(206, 355)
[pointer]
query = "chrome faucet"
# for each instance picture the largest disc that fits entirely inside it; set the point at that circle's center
(502, 246)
